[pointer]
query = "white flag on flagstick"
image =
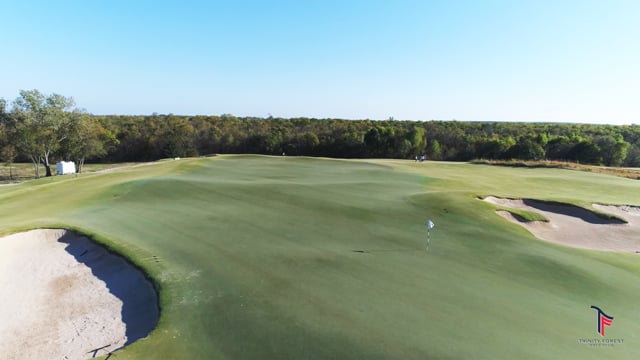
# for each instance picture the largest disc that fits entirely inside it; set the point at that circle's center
(430, 224)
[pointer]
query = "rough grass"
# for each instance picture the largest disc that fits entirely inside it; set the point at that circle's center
(524, 215)
(520, 214)
(255, 258)
(17, 172)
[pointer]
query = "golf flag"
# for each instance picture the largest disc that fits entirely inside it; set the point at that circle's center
(603, 320)
(430, 226)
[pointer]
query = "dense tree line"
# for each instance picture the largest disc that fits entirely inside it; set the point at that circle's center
(43, 129)
(160, 136)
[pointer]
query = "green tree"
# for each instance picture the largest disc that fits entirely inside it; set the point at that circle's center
(177, 137)
(378, 140)
(436, 150)
(3, 122)
(87, 138)
(633, 156)
(27, 139)
(310, 142)
(46, 120)
(620, 153)
(492, 148)
(4, 117)
(525, 149)
(8, 155)
(405, 149)
(559, 147)
(585, 152)
(418, 140)
(613, 149)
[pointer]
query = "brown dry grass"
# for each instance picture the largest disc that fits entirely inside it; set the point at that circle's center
(631, 173)
(19, 172)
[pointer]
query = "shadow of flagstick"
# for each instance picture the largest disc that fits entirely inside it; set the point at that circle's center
(430, 225)
(95, 351)
(385, 250)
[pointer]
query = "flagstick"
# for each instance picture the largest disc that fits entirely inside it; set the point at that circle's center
(429, 226)
(428, 238)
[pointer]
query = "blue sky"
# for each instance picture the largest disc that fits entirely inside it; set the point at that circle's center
(515, 60)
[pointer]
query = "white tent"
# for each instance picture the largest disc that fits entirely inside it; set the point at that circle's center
(65, 167)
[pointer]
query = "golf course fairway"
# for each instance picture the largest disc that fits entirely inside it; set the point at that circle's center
(259, 257)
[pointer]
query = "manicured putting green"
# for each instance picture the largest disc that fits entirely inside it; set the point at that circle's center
(299, 258)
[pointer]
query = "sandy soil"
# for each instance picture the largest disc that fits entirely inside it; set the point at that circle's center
(577, 227)
(65, 297)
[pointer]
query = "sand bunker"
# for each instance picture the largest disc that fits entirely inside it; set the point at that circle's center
(574, 226)
(63, 296)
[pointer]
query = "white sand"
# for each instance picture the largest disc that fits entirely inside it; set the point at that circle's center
(63, 296)
(573, 226)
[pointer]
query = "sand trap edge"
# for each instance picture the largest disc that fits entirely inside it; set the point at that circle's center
(122, 279)
(604, 227)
